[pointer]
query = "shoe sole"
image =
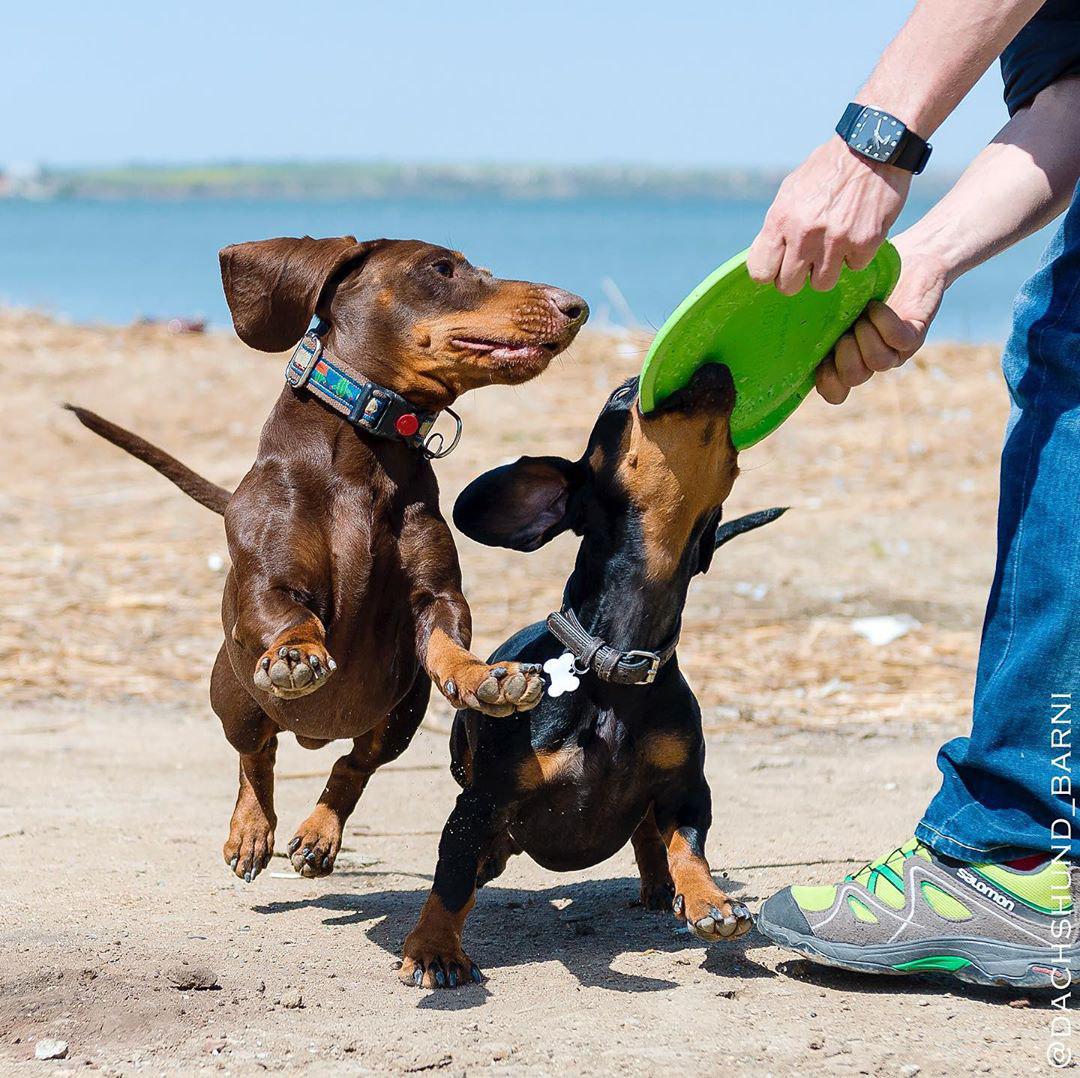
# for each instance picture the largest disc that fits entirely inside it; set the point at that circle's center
(975, 961)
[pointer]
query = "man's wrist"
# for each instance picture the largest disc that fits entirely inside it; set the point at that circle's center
(929, 254)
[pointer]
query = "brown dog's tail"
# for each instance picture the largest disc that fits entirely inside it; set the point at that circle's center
(191, 483)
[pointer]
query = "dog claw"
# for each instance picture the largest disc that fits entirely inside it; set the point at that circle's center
(294, 845)
(453, 978)
(476, 975)
(498, 672)
(333, 665)
(418, 976)
(283, 653)
(440, 977)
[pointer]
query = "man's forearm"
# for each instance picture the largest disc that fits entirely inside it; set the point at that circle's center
(1022, 180)
(939, 54)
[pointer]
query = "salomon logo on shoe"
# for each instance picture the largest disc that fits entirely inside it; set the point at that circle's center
(985, 889)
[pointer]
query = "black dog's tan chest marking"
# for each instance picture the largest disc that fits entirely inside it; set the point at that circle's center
(666, 751)
(604, 749)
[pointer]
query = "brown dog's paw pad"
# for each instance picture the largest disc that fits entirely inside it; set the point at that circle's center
(248, 849)
(499, 690)
(451, 970)
(293, 670)
(721, 920)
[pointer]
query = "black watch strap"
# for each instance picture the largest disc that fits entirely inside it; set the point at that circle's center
(911, 153)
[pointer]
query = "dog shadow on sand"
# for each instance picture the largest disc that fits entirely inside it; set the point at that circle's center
(587, 926)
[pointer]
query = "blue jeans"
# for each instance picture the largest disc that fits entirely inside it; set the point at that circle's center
(998, 799)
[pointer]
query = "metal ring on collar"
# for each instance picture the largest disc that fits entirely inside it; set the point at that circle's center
(435, 450)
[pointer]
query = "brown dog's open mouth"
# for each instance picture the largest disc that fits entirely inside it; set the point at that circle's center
(508, 351)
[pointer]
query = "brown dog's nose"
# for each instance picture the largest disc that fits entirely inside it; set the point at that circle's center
(571, 307)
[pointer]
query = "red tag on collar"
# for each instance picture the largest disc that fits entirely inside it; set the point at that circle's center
(407, 425)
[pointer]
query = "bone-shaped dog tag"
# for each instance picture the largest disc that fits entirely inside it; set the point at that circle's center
(562, 674)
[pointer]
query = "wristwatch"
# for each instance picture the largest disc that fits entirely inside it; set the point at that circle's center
(880, 136)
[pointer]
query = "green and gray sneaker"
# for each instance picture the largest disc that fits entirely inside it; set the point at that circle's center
(916, 912)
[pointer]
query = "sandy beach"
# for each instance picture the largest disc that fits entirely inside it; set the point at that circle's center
(118, 783)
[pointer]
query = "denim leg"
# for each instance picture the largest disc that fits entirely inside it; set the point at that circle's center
(996, 800)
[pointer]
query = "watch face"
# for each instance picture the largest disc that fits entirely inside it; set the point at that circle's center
(876, 134)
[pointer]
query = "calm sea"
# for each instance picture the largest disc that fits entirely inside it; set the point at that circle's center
(632, 258)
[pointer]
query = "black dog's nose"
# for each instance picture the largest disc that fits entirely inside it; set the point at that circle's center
(571, 307)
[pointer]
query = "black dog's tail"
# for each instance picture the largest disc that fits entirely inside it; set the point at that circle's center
(747, 524)
(191, 483)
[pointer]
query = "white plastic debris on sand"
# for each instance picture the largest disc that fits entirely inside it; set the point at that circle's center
(884, 628)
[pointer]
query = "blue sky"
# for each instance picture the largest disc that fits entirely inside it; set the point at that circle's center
(477, 80)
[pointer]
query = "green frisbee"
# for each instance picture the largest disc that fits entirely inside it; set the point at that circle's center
(771, 343)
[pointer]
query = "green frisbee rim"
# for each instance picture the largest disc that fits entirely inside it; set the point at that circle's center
(771, 343)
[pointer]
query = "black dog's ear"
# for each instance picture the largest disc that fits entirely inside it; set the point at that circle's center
(725, 532)
(273, 287)
(520, 505)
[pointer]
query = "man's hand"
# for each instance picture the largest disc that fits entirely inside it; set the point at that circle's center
(886, 335)
(834, 208)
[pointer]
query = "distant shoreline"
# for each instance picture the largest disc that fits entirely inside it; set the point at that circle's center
(353, 180)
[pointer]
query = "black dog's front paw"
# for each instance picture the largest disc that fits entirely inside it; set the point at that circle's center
(657, 895)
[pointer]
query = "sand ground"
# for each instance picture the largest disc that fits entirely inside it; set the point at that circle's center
(117, 784)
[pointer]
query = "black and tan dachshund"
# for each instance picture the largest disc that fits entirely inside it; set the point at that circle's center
(614, 751)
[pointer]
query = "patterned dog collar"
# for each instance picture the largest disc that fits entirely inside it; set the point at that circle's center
(363, 403)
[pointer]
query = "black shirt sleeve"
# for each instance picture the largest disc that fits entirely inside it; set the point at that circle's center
(1045, 50)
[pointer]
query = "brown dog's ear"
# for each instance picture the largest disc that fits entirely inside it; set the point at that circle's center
(273, 287)
(521, 505)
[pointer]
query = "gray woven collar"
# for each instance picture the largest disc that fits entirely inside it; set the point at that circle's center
(592, 653)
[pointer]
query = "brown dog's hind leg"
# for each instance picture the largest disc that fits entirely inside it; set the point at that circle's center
(657, 888)
(250, 844)
(317, 841)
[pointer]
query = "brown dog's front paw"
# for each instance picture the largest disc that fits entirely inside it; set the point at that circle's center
(316, 844)
(293, 668)
(498, 690)
(713, 916)
(250, 845)
(434, 966)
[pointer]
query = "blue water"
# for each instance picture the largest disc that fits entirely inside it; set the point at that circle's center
(114, 261)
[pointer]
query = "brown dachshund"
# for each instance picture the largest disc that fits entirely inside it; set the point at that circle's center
(344, 598)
